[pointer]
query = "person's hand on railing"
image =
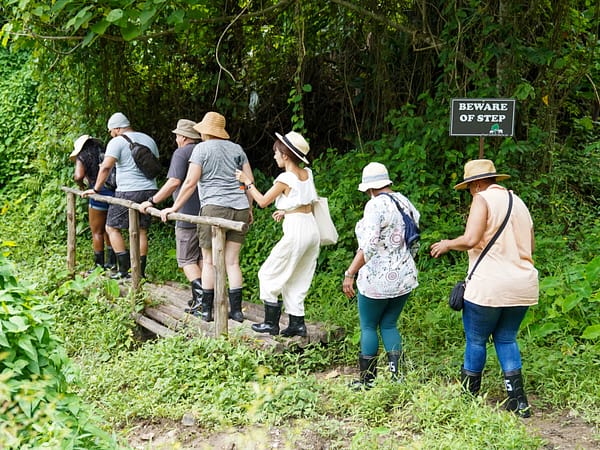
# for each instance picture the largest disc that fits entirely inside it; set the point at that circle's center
(165, 212)
(87, 193)
(145, 205)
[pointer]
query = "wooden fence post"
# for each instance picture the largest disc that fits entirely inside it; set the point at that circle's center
(219, 228)
(71, 232)
(134, 248)
(221, 301)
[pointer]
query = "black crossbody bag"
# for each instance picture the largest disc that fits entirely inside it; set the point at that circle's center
(457, 296)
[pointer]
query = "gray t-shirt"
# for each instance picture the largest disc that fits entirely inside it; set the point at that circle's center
(129, 177)
(218, 186)
(178, 169)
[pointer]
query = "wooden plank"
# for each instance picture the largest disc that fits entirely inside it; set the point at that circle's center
(171, 299)
(153, 326)
(165, 318)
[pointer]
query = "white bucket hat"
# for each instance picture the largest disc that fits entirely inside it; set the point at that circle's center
(374, 176)
(78, 145)
(296, 143)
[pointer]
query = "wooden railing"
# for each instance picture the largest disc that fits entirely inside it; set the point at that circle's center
(219, 228)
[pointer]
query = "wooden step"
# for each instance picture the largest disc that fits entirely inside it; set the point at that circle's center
(166, 307)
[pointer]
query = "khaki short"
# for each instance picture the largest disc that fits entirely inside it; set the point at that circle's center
(187, 247)
(222, 212)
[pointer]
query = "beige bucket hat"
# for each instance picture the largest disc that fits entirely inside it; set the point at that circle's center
(185, 128)
(78, 146)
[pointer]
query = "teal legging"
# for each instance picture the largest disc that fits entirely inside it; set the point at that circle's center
(382, 314)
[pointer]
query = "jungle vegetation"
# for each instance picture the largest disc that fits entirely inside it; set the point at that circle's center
(364, 81)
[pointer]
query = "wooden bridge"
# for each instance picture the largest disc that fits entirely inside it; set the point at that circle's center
(164, 315)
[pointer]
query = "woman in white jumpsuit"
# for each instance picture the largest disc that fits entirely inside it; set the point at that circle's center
(289, 269)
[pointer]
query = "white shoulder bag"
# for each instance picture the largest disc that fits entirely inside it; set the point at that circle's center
(327, 232)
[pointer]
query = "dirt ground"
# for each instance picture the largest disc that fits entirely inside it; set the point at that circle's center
(560, 431)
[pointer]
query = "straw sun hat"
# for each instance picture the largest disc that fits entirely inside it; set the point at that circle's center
(374, 176)
(212, 123)
(478, 169)
(185, 128)
(296, 143)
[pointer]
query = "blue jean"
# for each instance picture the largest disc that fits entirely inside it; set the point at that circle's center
(380, 314)
(481, 322)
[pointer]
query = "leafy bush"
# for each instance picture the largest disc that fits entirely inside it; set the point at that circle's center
(18, 91)
(38, 410)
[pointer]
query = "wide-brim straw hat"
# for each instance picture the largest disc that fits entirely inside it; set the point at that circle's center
(212, 123)
(185, 128)
(296, 143)
(78, 146)
(478, 169)
(374, 176)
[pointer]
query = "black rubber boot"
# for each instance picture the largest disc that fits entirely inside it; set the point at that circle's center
(295, 327)
(235, 305)
(112, 259)
(208, 299)
(470, 381)
(98, 261)
(123, 265)
(271, 323)
(143, 261)
(395, 360)
(195, 304)
(517, 400)
(368, 372)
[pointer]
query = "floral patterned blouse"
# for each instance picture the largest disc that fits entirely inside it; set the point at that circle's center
(390, 270)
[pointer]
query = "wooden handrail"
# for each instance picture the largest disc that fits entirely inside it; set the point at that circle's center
(218, 245)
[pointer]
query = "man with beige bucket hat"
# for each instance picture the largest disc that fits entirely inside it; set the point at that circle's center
(187, 248)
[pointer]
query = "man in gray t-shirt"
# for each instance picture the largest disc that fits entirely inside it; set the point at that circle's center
(189, 258)
(131, 185)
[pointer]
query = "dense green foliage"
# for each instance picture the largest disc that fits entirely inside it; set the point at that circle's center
(39, 409)
(365, 82)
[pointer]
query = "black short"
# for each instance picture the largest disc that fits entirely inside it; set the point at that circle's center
(118, 216)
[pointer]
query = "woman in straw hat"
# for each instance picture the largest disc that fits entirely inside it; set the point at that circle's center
(212, 168)
(504, 284)
(87, 155)
(387, 273)
(289, 269)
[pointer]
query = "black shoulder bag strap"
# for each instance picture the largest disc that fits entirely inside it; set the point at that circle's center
(127, 138)
(489, 245)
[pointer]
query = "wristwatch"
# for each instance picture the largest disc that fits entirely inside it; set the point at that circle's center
(349, 275)
(152, 201)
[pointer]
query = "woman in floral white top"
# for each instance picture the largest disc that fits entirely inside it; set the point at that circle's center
(386, 271)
